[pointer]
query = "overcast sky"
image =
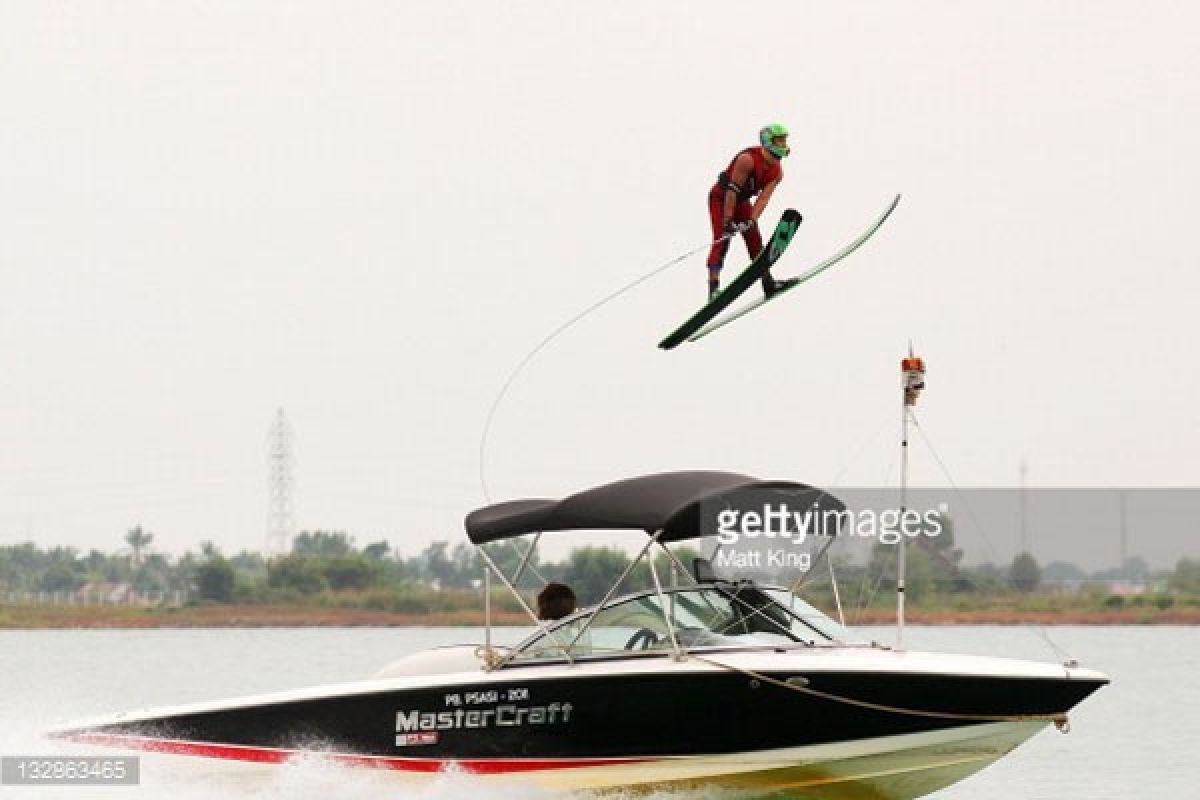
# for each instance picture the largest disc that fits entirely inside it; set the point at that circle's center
(366, 213)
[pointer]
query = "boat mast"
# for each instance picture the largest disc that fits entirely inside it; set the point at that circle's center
(912, 381)
(487, 609)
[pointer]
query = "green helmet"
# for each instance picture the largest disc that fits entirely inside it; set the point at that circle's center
(767, 137)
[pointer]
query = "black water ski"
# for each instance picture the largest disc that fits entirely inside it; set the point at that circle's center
(787, 284)
(750, 275)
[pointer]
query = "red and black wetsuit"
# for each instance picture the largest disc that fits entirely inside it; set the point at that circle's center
(761, 176)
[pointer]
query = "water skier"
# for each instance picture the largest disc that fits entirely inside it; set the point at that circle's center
(740, 196)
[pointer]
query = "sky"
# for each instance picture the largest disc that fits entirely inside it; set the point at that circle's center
(367, 213)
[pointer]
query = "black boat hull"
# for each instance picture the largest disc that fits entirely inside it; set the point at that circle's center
(827, 730)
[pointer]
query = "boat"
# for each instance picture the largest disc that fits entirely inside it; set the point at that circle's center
(696, 682)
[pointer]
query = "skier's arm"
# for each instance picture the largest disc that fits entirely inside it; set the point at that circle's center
(742, 166)
(760, 205)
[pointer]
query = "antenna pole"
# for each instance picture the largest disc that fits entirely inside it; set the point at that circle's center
(912, 371)
(902, 545)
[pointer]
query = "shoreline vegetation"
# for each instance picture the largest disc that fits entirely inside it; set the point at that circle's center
(48, 617)
(327, 581)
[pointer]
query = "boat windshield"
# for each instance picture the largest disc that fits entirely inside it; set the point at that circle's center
(735, 616)
(811, 616)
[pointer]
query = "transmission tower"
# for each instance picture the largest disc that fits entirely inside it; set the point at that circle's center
(280, 462)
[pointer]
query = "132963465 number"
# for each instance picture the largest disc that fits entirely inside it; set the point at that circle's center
(69, 771)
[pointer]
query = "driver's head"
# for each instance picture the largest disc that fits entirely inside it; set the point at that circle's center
(555, 601)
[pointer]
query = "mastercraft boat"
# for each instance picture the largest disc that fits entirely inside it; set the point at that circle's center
(697, 681)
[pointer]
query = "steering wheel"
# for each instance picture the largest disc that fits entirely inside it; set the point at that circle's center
(642, 639)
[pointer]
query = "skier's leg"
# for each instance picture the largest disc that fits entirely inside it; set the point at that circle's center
(716, 255)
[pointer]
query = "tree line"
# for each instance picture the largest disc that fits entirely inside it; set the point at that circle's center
(327, 567)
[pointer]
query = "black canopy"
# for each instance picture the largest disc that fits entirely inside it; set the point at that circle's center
(667, 501)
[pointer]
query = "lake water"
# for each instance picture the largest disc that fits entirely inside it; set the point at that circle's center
(1137, 738)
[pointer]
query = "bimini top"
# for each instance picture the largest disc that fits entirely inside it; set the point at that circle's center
(669, 501)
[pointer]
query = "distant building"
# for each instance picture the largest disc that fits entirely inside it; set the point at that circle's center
(111, 594)
(1125, 588)
(1122, 588)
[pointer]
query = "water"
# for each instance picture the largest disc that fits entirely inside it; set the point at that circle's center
(1134, 738)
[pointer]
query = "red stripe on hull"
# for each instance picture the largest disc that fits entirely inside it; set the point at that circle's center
(264, 755)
